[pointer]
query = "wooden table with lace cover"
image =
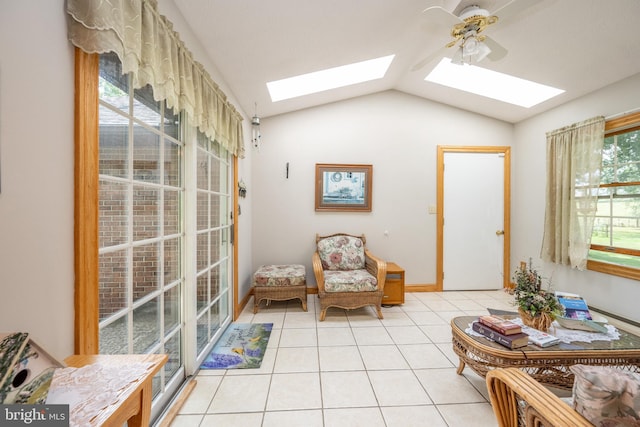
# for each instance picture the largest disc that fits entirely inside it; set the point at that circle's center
(549, 366)
(107, 390)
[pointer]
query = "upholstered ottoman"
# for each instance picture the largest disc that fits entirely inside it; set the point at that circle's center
(279, 283)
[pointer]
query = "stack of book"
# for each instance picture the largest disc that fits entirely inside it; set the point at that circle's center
(502, 331)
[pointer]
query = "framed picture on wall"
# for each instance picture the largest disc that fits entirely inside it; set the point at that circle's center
(343, 188)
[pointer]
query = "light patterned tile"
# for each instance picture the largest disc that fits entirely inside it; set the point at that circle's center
(340, 358)
(469, 414)
(347, 390)
(310, 418)
(294, 391)
(305, 337)
(242, 393)
(412, 416)
(200, 397)
(421, 356)
(335, 337)
(296, 359)
(445, 386)
(396, 388)
(354, 417)
(380, 357)
(407, 335)
(232, 420)
(372, 336)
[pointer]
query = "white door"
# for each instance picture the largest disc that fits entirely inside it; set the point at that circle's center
(473, 223)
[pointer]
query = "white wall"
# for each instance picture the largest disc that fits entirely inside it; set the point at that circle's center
(396, 133)
(610, 293)
(36, 170)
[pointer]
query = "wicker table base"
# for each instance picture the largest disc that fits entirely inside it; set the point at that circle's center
(549, 366)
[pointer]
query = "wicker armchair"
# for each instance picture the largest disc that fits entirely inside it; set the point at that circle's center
(519, 400)
(348, 275)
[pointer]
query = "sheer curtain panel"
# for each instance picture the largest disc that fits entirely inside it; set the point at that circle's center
(574, 158)
(153, 53)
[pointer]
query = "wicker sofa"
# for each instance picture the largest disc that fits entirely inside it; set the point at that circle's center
(602, 396)
(348, 275)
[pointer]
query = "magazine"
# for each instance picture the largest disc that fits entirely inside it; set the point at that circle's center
(577, 314)
(575, 307)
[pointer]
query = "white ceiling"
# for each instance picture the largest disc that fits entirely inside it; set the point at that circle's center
(575, 45)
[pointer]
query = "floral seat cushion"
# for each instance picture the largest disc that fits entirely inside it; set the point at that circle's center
(341, 253)
(606, 396)
(349, 281)
(280, 275)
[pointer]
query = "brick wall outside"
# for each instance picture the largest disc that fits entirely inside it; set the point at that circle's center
(113, 219)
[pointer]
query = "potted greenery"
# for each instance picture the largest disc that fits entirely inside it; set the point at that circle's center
(537, 307)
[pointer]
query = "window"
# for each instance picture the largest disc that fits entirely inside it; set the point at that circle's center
(615, 242)
(140, 224)
(164, 254)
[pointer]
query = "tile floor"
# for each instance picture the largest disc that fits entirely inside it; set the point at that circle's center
(352, 369)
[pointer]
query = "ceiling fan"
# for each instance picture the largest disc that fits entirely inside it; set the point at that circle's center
(467, 29)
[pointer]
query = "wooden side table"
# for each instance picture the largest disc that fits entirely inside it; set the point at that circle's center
(394, 285)
(134, 403)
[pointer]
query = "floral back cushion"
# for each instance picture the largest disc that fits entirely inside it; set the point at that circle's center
(606, 396)
(341, 253)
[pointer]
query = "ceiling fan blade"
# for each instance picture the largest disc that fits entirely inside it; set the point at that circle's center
(497, 50)
(437, 54)
(513, 8)
(438, 17)
(437, 23)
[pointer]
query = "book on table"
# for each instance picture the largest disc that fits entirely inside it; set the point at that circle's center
(539, 338)
(577, 314)
(510, 341)
(500, 324)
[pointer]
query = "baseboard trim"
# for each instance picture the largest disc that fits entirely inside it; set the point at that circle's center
(421, 288)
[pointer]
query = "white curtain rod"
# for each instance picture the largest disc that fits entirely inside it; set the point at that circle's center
(624, 113)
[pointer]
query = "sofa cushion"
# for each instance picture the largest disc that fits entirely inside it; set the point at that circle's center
(349, 281)
(607, 397)
(341, 253)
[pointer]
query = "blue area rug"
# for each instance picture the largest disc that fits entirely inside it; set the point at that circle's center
(241, 346)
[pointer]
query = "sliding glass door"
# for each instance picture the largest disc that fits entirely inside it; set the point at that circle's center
(164, 231)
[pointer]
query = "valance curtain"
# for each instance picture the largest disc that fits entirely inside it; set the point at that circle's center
(153, 53)
(574, 159)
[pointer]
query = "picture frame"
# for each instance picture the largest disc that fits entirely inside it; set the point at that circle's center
(343, 187)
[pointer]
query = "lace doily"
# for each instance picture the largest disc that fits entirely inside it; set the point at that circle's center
(93, 388)
(566, 335)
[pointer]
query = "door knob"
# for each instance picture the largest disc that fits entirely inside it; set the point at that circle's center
(499, 232)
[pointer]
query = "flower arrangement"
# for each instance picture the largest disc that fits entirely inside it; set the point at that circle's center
(538, 307)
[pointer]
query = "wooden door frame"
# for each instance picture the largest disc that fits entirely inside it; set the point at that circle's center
(442, 150)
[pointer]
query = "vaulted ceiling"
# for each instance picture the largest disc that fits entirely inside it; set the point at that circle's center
(575, 45)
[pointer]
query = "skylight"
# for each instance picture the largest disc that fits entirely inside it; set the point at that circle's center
(331, 78)
(491, 84)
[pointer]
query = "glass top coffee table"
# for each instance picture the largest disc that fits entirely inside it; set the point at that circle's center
(549, 366)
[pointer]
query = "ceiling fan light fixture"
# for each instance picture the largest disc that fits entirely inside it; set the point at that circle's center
(471, 50)
(482, 51)
(458, 57)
